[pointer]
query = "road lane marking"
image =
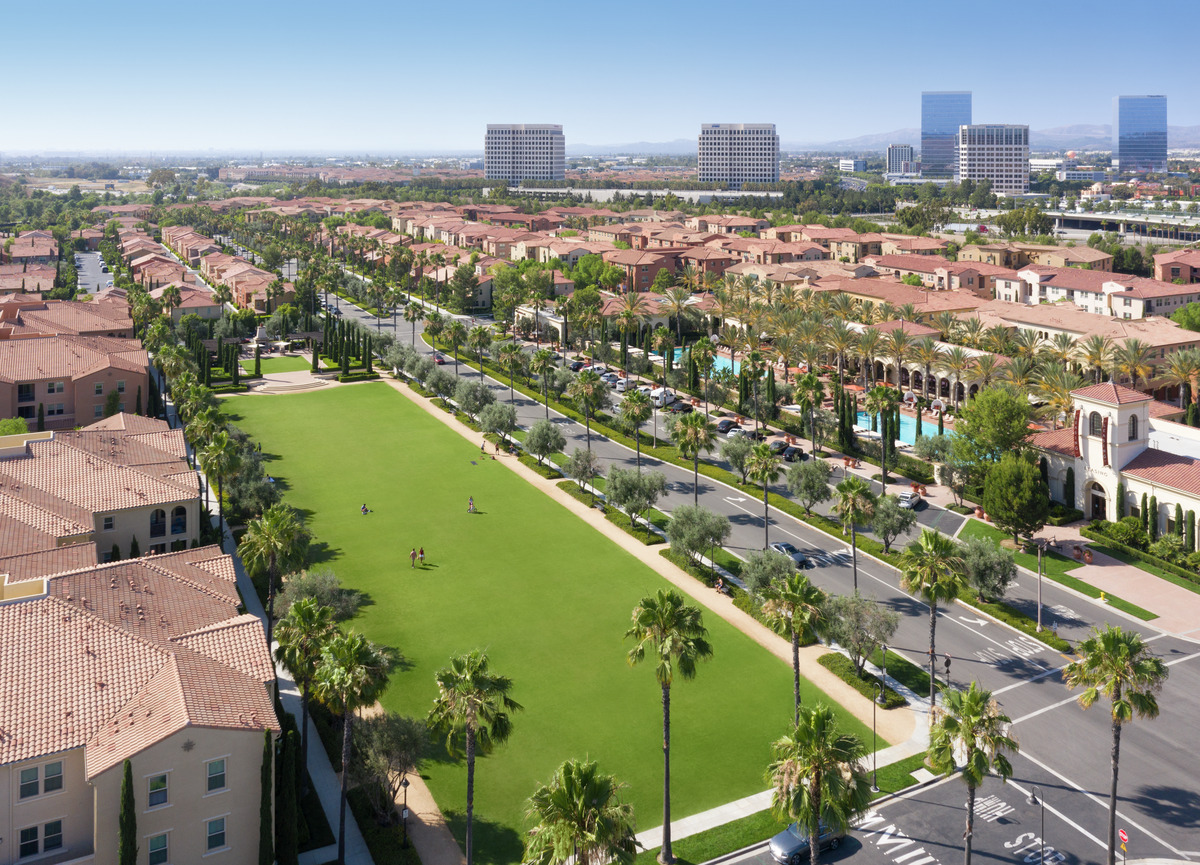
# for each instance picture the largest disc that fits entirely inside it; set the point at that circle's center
(1061, 816)
(1044, 709)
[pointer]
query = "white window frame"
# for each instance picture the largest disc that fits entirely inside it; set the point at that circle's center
(224, 788)
(40, 780)
(212, 851)
(166, 836)
(166, 803)
(108, 523)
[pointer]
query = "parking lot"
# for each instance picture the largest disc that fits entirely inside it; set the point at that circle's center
(91, 277)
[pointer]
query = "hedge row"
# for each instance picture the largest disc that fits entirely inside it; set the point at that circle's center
(358, 376)
(1061, 515)
(843, 668)
(546, 470)
(1096, 534)
(613, 515)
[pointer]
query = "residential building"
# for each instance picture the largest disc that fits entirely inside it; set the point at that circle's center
(900, 159)
(524, 151)
(1139, 130)
(996, 152)
(738, 153)
(1180, 264)
(1017, 255)
(850, 166)
(943, 113)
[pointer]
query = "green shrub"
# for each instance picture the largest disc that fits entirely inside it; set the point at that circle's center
(358, 376)
(1061, 515)
(1128, 532)
(843, 668)
(547, 470)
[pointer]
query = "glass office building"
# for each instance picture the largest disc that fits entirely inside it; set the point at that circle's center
(1139, 133)
(942, 113)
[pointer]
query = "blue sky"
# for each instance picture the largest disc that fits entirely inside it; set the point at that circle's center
(388, 76)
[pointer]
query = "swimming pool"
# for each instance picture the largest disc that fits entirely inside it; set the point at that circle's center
(719, 361)
(908, 426)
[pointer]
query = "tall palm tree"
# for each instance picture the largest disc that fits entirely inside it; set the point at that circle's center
(512, 359)
(959, 363)
(472, 709)
(1021, 372)
(630, 314)
(1054, 387)
(817, 776)
(1061, 349)
(1180, 370)
(972, 332)
(870, 343)
(456, 335)
(542, 365)
(810, 391)
(970, 725)
(435, 326)
(704, 355)
(927, 352)
(205, 424)
(1117, 664)
(672, 634)
(275, 543)
(692, 434)
(1095, 353)
(662, 341)
(899, 346)
(763, 467)
(677, 302)
(792, 607)
(479, 339)
(948, 324)
(1027, 343)
(933, 568)
(414, 313)
(219, 460)
(1132, 361)
(753, 365)
(352, 674)
(855, 504)
(585, 390)
(882, 400)
(841, 340)
(303, 634)
(997, 340)
(636, 409)
(579, 818)
(988, 368)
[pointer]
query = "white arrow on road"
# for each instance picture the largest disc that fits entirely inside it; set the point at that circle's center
(732, 499)
(969, 621)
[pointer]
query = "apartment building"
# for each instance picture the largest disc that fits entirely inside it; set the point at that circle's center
(1180, 264)
(996, 152)
(738, 153)
(1018, 255)
(900, 159)
(524, 151)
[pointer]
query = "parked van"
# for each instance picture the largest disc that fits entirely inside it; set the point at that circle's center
(661, 397)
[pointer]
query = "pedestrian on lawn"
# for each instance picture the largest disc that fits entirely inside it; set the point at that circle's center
(421, 556)
(412, 557)
(470, 504)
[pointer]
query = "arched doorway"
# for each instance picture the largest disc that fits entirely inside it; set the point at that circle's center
(1099, 501)
(915, 381)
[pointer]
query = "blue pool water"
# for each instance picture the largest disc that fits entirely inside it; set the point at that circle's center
(908, 426)
(719, 362)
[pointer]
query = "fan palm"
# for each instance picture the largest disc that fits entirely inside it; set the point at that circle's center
(414, 313)
(704, 355)
(542, 365)
(512, 359)
(933, 568)
(927, 352)
(1061, 349)
(792, 607)
(636, 409)
(275, 543)
(663, 341)
(456, 335)
(762, 466)
(586, 389)
(1095, 353)
(302, 635)
(579, 818)
(219, 460)
(855, 504)
(479, 340)
(959, 363)
(1132, 361)
(899, 347)
(692, 434)
(671, 634)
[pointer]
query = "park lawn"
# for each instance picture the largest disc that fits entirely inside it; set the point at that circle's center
(548, 597)
(277, 364)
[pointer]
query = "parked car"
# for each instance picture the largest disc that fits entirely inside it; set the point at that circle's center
(724, 426)
(646, 389)
(756, 435)
(577, 365)
(778, 446)
(911, 500)
(736, 432)
(794, 454)
(789, 550)
(623, 385)
(790, 847)
(610, 378)
(661, 397)
(680, 407)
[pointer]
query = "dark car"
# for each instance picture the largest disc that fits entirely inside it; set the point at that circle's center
(577, 365)
(756, 435)
(724, 426)
(794, 454)
(679, 407)
(778, 446)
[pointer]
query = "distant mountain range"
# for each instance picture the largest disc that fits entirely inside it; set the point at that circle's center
(1083, 136)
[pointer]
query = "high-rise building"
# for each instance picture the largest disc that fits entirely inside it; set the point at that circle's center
(942, 113)
(1139, 131)
(900, 159)
(524, 151)
(997, 152)
(737, 153)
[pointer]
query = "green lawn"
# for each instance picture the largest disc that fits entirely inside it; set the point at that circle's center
(277, 364)
(545, 594)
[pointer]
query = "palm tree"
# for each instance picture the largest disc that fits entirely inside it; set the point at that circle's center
(1132, 361)
(1095, 353)
(276, 543)
(972, 332)
(948, 324)
(203, 426)
(472, 709)
(303, 634)
(580, 819)
(672, 633)
(692, 434)
(352, 674)
(1054, 387)
(1061, 349)
(899, 345)
(927, 352)
(988, 368)
(841, 340)
(479, 339)
(513, 359)
(1027, 343)
(762, 467)
(970, 725)
(855, 504)
(435, 326)
(883, 400)
(811, 393)
(1021, 372)
(219, 460)
(792, 607)
(629, 317)
(456, 335)
(1118, 665)
(541, 365)
(585, 390)
(932, 567)
(817, 777)
(636, 409)
(1180, 370)
(704, 355)
(677, 302)
(870, 342)
(414, 313)
(959, 364)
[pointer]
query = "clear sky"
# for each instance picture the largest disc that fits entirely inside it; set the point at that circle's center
(391, 76)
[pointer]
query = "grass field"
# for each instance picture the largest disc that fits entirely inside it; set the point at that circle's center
(277, 364)
(544, 593)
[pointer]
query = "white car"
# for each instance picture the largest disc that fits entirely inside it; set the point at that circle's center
(623, 385)
(735, 432)
(910, 500)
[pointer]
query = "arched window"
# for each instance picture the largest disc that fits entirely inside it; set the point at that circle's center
(1133, 428)
(179, 520)
(158, 523)
(1095, 424)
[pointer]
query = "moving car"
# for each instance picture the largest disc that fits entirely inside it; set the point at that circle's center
(778, 446)
(790, 847)
(911, 500)
(724, 426)
(794, 454)
(439, 358)
(789, 550)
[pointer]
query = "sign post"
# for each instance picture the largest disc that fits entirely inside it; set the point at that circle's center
(1124, 836)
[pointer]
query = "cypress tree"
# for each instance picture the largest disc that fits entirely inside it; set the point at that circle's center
(1120, 500)
(257, 360)
(917, 431)
(287, 841)
(1069, 492)
(134, 549)
(315, 353)
(368, 354)
(1179, 519)
(41, 420)
(115, 555)
(1145, 514)
(207, 370)
(137, 406)
(1152, 517)
(345, 358)
(941, 425)
(624, 348)
(266, 829)
(1189, 537)
(237, 372)
(127, 846)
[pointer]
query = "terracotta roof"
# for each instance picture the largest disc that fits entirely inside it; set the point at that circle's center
(17, 568)
(236, 643)
(1114, 394)
(910, 327)
(1060, 441)
(1160, 409)
(44, 357)
(1168, 470)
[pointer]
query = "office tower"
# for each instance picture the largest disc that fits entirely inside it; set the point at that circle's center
(737, 153)
(1139, 132)
(998, 152)
(942, 113)
(899, 159)
(523, 151)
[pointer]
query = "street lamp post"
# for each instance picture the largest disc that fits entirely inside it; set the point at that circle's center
(874, 740)
(1041, 545)
(884, 650)
(1036, 799)
(404, 812)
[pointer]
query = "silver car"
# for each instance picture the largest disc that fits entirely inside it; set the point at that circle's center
(789, 550)
(790, 847)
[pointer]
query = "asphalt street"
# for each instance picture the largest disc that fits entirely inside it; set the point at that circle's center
(1066, 748)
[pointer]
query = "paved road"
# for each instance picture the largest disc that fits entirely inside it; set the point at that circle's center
(1066, 747)
(91, 278)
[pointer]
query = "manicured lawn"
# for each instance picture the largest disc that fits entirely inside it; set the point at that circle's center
(546, 595)
(277, 364)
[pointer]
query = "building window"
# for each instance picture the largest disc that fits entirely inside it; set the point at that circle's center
(179, 520)
(216, 834)
(158, 523)
(29, 842)
(98, 412)
(158, 791)
(216, 775)
(1133, 428)
(99, 388)
(52, 836)
(107, 523)
(120, 387)
(29, 782)
(55, 408)
(47, 778)
(56, 387)
(52, 777)
(25, 393)
(160, 852)
(1095, 424)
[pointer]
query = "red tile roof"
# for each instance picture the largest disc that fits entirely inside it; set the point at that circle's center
(1168, 470)
(1061, 441)
(1114, 394)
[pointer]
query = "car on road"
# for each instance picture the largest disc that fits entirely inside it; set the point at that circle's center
(623, 385)
(789, 550)
(790, 847)
(736, 432)
(610, 378)
(679, 407)
(794, 454)
(911, 500)
(439, 358)
(724, 426)
(577, 366)
(778, 446)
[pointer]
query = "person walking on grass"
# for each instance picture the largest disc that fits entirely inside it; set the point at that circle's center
(421, 556)
(412, 557)
(470, 504)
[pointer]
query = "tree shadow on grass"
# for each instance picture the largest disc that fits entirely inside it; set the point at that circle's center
(320, 553)
(494, 843)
